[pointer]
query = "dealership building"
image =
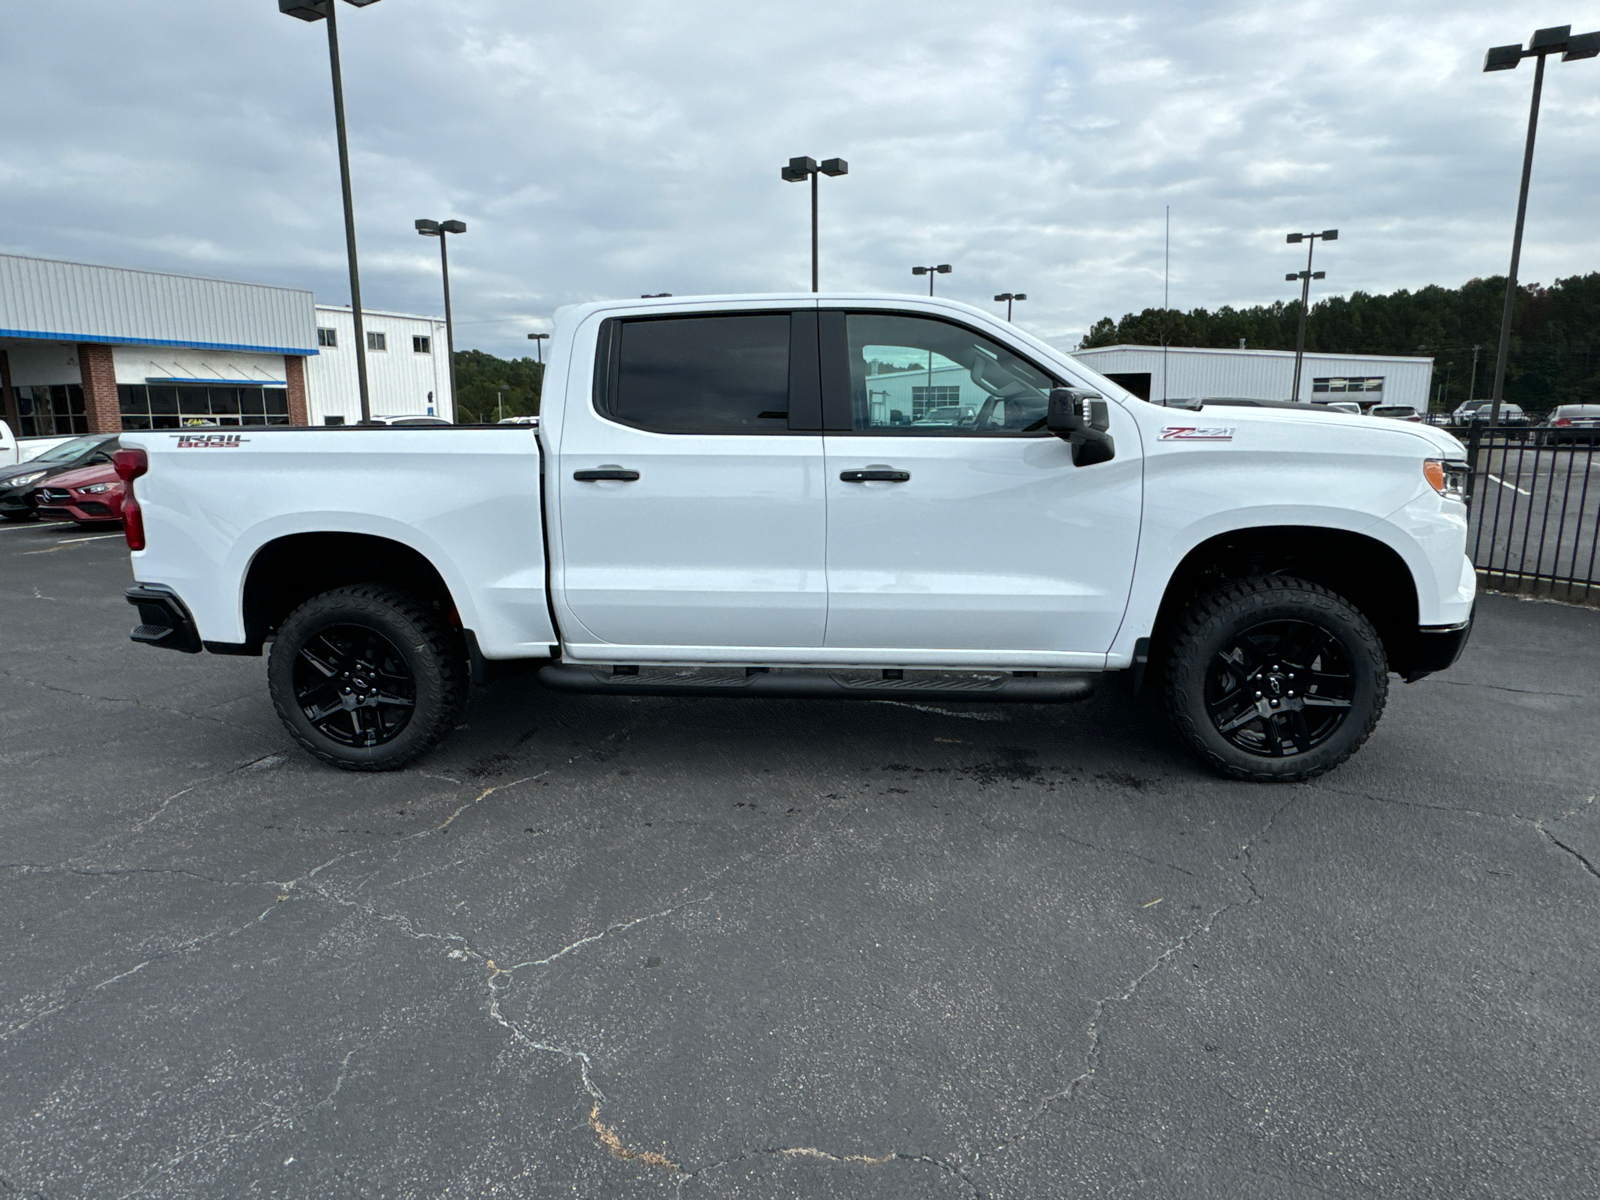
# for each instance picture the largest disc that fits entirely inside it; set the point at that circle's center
(1185, 373)
(92, 349)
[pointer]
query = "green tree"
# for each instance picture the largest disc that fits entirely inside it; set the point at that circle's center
(484, 382)
(1555, 334)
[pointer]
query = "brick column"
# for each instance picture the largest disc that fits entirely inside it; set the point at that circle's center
(8, 397)
(99, 379)
(294, 371)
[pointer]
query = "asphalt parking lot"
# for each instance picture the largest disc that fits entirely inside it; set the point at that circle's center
(607, 947)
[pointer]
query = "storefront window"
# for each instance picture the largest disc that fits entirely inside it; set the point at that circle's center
(167, 406)
(46, 409)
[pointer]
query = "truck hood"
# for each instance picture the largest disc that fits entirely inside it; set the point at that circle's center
(1338, 431)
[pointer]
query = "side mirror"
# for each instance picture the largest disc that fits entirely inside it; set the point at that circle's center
(1083, 419)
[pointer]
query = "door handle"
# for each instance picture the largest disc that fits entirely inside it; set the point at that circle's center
(875, 475)
(620, 474)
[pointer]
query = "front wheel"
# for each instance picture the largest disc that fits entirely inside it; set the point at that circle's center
(1275, 679)
(367, 677)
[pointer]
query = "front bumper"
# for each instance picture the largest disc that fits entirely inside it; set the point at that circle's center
(163, 620)
(1437, 647)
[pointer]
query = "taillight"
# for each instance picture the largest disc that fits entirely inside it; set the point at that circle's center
(1561, 421)
(130, 464)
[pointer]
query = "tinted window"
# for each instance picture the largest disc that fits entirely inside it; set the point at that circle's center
(913, 375)
(714, 374)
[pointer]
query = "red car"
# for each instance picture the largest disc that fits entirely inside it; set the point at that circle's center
(89, 496)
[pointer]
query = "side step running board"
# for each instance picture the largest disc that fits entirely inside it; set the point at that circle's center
(819, 685)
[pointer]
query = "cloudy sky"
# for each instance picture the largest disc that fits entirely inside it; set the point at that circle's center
(612, 148)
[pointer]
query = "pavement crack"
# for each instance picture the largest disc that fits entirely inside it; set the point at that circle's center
(1500, 687)
(133, 700)
(615, 927)
(177, 951)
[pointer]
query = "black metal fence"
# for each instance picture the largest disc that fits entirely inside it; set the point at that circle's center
(1534, 507)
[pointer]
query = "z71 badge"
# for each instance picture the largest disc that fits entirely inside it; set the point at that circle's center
(210, 441)
(1196, 433)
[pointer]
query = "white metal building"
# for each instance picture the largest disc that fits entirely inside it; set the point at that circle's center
(1185, 373)
(408, 368)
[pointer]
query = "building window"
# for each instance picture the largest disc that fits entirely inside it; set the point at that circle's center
(422, 345)
(328, 337)
(925, 399)
(47, 409)
(1341, 387)
(177, 406)
(377, 341)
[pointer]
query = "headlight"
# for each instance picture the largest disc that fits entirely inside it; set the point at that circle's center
(94, 488)
(1447, 477)
(23, 480)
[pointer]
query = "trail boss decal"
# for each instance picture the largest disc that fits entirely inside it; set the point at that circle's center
(210, 441)
(1196, 433)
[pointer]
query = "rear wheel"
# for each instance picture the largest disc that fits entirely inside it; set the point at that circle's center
(367, 677)
(1275, 679)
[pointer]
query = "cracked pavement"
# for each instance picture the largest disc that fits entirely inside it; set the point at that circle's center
(695, 948)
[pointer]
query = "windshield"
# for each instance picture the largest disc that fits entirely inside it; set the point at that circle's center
(67, 450)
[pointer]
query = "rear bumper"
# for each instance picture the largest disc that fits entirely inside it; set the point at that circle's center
(163, 620)
(1437, 647)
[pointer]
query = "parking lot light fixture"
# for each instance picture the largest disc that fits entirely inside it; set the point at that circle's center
(1557, 39)
(1008, 297)
(801, 169)
(440, 230)
(317, 10)
(1305, 277)
(538, 340)
(930, 272)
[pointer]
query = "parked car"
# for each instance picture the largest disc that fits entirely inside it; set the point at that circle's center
(411, 419)
(1572, 423)
(88, 495)
(17, 483)
(517, 421)
(1395, 412)
(716, 523)
(1345, 406)
(1479, 410)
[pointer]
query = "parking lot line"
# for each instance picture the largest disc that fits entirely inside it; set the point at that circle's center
(1513, 487)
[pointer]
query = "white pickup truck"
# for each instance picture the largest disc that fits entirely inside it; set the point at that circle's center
(817, 496)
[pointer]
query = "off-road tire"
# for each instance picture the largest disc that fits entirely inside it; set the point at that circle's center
(431, 650)
(1215, 620)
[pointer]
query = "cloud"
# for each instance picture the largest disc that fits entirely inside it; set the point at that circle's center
(616, 148)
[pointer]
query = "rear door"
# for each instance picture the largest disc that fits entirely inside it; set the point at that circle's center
(692, 509)
(956, 523)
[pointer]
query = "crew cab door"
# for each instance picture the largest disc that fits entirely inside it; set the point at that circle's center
(692, 513)
(955, 521)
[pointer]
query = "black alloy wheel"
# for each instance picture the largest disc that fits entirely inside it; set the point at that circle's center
(1274, 678)
(1279, 688)
(353, 686)
(367, 677)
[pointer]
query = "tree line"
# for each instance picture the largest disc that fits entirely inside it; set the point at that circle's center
(488, 388)
(1555, 334)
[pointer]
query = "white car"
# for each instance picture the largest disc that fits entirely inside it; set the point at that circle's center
(517, 421)
(725, 497)
(411, 419)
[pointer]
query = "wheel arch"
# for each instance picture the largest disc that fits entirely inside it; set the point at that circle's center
(1368, 572)
(288, 570)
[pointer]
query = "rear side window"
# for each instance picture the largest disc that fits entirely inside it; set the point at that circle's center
(710, 374)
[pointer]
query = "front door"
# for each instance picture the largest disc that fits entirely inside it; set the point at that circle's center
(956, 523)
(692, 514)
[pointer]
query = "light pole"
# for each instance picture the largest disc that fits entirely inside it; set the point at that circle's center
(440, 229)
(1008, 297)
(1556, 40)
(808, 168)
(1305, 277)
(316, 10)
(538, 344)
(930, 272)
